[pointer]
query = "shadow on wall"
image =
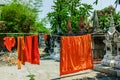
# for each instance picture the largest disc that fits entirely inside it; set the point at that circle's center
(98, 47)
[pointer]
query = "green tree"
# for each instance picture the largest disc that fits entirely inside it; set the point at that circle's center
(104, 18)
(39, 27)
(33, 4)
(20, 15)
(62, 9)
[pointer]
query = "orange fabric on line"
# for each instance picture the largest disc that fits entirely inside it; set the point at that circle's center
(28, 48)
(35, 52)
(21, 52)
(75, 54)
(45, 36)
(9, 42)
(31, 50)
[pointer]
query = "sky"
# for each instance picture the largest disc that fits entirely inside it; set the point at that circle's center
(46, 8)
(101, 4)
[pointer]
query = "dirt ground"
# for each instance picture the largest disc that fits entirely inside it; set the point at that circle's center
(48, 70)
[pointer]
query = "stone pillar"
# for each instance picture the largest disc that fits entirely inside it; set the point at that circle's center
(117, 58)
(112, 58)
(108, 56)
(118, 48)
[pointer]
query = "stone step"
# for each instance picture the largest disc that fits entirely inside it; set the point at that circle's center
(108, 70)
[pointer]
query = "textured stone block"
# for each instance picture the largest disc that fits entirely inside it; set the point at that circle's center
(118, 73)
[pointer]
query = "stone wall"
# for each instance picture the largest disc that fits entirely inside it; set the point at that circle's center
(98, 46)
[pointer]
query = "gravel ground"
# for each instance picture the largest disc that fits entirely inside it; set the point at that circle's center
(48, 70)
(45, 71)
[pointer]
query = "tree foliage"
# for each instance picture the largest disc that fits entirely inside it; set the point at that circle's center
(62, 9)
(21, 16)
(39, 28)
(104, 18)
(18, 17)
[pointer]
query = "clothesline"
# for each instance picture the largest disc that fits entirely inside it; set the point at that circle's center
(19, 33)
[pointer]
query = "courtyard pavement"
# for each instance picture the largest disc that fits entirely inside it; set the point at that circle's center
(49, 70)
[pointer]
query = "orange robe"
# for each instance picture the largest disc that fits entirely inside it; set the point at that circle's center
(21, 51)
(35, 51)
(31, 50)
(28, 48)
(9, 42)
(75, 54)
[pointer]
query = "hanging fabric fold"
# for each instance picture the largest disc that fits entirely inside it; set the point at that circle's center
(21, 51)
(35, 51)
(9, 42)
(31, 49)
(28, 48)
(75, 54)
